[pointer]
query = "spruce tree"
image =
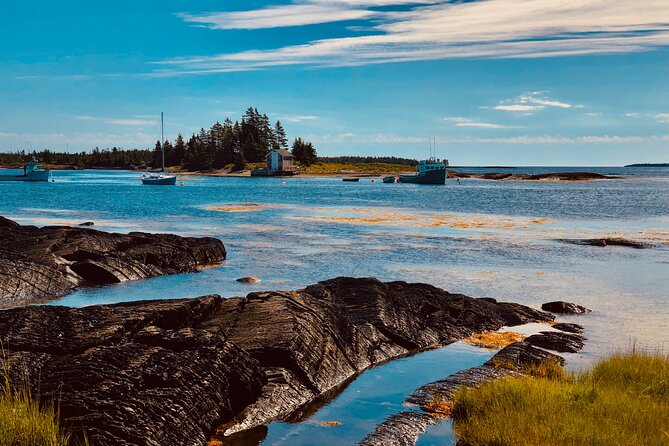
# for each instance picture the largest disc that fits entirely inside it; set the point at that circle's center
(281, 141)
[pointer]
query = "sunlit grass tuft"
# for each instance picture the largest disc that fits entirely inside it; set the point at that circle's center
(26, 421)
(623, 400)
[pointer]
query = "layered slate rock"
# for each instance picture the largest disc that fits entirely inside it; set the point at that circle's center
(170, 372)
(133, 374)
(46, 263)
(569, 327)
(313, 340)
(557, 341)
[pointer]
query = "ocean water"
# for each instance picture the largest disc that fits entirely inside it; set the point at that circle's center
(481, 238)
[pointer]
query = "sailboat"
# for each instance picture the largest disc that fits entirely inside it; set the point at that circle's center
(160, 178)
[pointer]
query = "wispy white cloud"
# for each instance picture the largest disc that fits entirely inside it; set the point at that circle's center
(298, 118)
(111, 121)
(520, 139)
(663, 117)
(298, 13)
(466, 122)
(78, 140)
(476, 29)
(530, 102)
(68, 77)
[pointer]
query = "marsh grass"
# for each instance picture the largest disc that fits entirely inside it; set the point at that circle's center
(623, 400)
(26, 421)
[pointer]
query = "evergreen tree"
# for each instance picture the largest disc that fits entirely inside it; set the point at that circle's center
(169, 152)
(304, 152)
(280, 139)
(157, 154)
(179, 151)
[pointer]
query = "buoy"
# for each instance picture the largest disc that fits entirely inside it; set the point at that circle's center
(181, 183)
(283, 183)
(373, 181)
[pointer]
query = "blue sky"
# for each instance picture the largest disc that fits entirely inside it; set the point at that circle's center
(524, 82)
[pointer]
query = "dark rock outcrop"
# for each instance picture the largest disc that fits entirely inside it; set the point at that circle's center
(561, 307)
(46, 263)
(555, 176)
(607, 241)
(169, 372)
(557, 341)
(134, 374)
(400, 429)
(248, 279)
(569, 327)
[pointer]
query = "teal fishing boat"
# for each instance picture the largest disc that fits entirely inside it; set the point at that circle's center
(31, 172)
(389, 179)
(160, 178)
(430, 171)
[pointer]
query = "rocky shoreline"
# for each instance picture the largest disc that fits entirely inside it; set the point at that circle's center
(38, 264)
(548, 177)
(176, 371)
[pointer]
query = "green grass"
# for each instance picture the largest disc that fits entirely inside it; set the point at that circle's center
(623, 400)
(25, 421)
(371, 168)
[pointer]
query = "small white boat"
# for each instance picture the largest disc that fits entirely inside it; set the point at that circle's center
(160, 178)
(31, 172)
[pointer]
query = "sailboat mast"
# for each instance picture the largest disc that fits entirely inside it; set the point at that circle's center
(162, 140)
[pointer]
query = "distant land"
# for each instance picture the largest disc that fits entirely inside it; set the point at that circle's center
(648, 165)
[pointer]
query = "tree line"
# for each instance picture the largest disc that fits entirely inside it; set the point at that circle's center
(368, 160)
(225, 144)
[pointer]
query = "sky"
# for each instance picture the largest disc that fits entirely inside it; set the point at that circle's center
(496, 82)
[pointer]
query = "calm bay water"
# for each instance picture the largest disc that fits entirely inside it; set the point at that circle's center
(481, 238)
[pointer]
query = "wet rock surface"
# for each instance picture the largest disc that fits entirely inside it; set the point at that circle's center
(556, 176)
(557, 341)
(607, 241)
(561, 307)
(133, 374)
(46, 263)
(170, 372)
(569, 327)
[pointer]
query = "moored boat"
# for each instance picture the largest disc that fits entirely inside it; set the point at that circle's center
(160, 178)
(31, 172)
(430, 171)
(389, 179)
(351, 180)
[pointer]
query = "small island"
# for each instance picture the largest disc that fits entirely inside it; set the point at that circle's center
(648, 165)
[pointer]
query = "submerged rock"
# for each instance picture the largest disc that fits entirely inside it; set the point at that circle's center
(607, 241)
(569, 327)
(170, 372)
(561, 307)
(49, 262)
(248, 279)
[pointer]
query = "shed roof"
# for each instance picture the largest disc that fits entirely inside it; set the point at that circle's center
(283, 152)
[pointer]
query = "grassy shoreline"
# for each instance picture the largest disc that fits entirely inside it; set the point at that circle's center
(622, 400)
